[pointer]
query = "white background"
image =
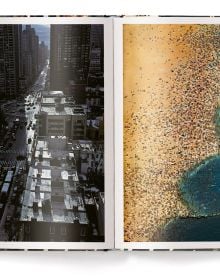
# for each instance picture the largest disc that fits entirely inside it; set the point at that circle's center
(109, 265)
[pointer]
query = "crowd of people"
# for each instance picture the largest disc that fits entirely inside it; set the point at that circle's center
(171, 88)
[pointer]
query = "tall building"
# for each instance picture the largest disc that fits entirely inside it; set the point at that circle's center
(30, 46)
(10, 59)
(43, 54)
(69, 56)
(96, 65)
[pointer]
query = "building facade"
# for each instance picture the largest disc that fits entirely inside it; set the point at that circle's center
(70, 54)
(10, 59)
(43, 54)
(30, 52)
(58, 117)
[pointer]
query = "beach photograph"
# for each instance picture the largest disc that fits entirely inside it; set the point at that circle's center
(171, 115)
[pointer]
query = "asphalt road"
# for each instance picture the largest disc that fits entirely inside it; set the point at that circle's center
(20, 145)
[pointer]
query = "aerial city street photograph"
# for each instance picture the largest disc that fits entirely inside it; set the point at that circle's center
(52, 133)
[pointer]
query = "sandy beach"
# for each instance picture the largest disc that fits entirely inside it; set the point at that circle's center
(171, 88)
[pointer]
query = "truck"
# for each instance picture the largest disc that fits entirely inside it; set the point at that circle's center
(9, 176)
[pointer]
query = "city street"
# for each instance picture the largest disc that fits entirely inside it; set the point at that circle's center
(20, 116)
(20, 146)
(52, 132)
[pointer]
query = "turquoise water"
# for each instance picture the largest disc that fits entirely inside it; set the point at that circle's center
(200, 188)
(192, 229)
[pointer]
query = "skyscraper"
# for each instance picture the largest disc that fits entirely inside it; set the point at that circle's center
(70, 55)
(97, 49)
(43, 54)
(10, 59)
(30, 45)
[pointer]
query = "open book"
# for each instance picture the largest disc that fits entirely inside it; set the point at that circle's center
(109, 133)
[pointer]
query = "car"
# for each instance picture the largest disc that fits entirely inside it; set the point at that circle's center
(29, 140)
(34, 107)
(28, 108)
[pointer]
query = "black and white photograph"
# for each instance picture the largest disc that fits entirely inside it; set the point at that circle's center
(109, 139)
(52, 133)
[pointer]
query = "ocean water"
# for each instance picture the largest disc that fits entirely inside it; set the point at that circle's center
(192, 229)
(200, 188)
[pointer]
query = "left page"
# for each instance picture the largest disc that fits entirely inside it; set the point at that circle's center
(56, 108)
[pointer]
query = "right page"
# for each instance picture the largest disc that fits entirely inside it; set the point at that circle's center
(167, 133)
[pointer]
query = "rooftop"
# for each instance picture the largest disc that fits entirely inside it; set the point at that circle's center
(54, 112)
(53, 93)
(53, 197)
(62, 110)
(54, 151)
(87, 146)
(51, 190)
(46, 207)
(53, 100)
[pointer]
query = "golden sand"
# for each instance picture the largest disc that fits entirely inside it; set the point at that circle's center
(171, 86)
